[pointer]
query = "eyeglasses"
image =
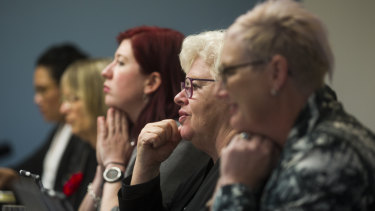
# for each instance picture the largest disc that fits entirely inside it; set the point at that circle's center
(225, 72)
(188, 85)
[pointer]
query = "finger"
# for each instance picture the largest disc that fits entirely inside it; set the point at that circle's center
(234, 140)
(110, 121)
(149, 139)
(101, 128)
(117, 121)
(124, 123)
(170, 127)
(176, 136)
(169, 130)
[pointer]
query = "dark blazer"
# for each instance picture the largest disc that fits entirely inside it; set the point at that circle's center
(34, 162)
(191, 195)
(78, 156)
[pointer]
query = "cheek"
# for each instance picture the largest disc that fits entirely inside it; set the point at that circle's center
(196, 113)
(237, 121)
(186, 131)
(203, 113)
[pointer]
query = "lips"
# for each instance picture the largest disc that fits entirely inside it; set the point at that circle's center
(106, 89)
(183, 115)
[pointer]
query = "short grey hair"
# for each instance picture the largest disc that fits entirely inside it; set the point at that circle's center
(284, 27)
(207, 46)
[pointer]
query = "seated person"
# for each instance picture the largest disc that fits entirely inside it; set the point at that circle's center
(139, 87)
(204, 122)
(274, 62)
(51, 160)
(82, 102)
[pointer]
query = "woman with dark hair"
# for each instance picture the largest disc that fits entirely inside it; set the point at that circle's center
(203, 121)
(139, 85)
(51, 160)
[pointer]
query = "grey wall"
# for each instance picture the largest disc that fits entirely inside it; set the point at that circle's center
(28, 27)
(352, 32)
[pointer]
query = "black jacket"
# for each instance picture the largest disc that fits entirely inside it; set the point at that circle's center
(192, 195)
(78, 156)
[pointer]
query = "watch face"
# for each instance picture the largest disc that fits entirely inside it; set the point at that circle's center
(112, 174)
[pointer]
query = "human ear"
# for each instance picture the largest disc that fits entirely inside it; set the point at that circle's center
(152, 83)
(279, 73)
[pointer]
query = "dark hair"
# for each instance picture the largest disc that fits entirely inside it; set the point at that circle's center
(58, 57)
(156, 49)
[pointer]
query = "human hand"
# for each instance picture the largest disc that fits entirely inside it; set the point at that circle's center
(248, 161)
(7, 176)
(155, 143)
(113, 143)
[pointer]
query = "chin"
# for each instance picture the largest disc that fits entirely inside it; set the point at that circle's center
(109, 101)
(186, 133)
(237, 123)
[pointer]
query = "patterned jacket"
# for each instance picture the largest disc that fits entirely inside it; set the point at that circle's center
(328, 163)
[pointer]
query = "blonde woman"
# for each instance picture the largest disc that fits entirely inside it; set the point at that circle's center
(82, 102)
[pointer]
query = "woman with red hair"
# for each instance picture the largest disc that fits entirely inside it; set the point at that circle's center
(139, 86)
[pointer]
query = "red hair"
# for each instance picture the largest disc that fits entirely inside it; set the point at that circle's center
(156, 50)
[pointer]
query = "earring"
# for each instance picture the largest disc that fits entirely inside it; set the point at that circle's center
(273, 92)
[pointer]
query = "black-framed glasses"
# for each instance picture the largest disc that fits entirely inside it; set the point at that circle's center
(225, 72)
(188, 86)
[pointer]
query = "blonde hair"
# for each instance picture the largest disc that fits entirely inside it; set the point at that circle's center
(207, 46)
(84, 79)
(284, 27)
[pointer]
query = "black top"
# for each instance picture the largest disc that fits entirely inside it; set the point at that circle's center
(191, 195)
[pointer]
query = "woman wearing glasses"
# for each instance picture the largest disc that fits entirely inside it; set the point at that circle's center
(139, 87)
(203, 120)
(327, 159)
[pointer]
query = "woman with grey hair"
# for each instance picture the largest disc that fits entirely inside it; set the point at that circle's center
(274, 61)
(204, 122)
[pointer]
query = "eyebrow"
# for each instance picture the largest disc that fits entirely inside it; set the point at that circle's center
(121, 56)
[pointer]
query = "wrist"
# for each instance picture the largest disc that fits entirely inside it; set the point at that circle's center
(113, 174)
(94, 194)
(228, 180)
(120, 165)
(142, 175)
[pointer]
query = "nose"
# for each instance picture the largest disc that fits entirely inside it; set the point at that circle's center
(221, 91)
(181, 99)
(64, 107)
(37, 98)
(108, 72)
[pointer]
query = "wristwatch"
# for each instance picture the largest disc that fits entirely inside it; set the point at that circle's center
(112, 174)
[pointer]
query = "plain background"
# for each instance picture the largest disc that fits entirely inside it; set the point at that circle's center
(27, 28)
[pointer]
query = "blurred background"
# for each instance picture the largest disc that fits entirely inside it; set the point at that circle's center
(27, 28)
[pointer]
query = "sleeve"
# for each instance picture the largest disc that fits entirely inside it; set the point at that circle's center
(141, 197)
(328, 177)
(235, 197)
(34, 162)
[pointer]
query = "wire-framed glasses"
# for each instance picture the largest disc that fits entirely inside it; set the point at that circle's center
(188, 86)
